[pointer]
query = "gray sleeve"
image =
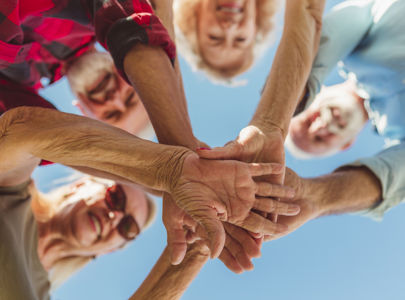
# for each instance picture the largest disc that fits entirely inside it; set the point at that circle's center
(343, 29)
(389, 167)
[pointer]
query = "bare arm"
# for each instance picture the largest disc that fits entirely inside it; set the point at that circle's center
(346, 190)
(292, 64)
(168, 282)
(153, 76)
(29, 133)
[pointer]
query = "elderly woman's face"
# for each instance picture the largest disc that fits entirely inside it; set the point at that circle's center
(226, 31)
(102, 218)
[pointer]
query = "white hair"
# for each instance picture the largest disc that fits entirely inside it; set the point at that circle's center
(295, 150)
(87, 68)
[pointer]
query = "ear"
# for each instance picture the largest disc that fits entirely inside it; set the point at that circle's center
(348, 144)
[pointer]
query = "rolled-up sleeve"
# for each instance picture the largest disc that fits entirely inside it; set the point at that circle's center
(389, 167)
(121, 24)
(343, 29)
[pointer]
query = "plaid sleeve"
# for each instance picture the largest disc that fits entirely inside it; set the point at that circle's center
(14, 95)
(121, 24)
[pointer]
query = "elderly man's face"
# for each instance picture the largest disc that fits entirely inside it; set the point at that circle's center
(226, 31)
(330, 124)
(102, 219)
(105, 96)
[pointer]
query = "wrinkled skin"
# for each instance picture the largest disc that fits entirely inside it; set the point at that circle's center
(213, 191)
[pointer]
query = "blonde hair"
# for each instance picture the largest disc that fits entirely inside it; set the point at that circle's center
(185, 21)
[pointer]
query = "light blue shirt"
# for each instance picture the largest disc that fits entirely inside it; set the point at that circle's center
(367, 40)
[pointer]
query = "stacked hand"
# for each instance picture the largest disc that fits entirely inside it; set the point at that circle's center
(310, 205)
(254, 144)
(211, 191)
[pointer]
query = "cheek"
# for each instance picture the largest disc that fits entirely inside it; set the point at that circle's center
(109, 244)
(85, 233)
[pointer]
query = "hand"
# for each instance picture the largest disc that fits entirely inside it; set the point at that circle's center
(239, 248)
(310, 206)
(180, 228)
(214, 191)
(253, 144)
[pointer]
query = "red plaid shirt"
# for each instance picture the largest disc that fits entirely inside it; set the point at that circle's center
(37, 36)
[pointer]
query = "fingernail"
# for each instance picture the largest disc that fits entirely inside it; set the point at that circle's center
(294, 209)
(203, 148)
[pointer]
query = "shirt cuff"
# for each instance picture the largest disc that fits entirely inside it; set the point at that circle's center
(388, 166)
(144, 28)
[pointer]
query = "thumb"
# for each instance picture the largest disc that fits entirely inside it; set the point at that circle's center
(229, 151)
(177, 244)
(215, 233)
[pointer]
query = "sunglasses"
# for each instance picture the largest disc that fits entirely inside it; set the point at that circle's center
(116, 200)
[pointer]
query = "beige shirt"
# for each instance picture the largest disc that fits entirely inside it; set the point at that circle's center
(22, 276)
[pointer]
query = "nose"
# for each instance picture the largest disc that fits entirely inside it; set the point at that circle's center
(117, 102)
(115, 217)
(318, 127)
(228, 23)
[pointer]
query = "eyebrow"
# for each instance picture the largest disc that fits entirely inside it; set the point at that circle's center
(100, 86)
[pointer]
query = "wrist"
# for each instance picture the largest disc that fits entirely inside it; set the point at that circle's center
(169, 174)
(315, 191)
(265, 125)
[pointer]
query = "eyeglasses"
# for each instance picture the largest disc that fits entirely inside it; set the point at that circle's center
(116, 200)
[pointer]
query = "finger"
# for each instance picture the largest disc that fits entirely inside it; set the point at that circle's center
(268, 238)
(273, 206)
(192, 237)
(238, 253)
(265, 169)
(230, 151)
(244, 238)
(274, 190)
(177, 244)
(230, 262)
(259, 224)
(215, 233)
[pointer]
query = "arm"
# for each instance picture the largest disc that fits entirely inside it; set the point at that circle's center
(343, 30)
(161, 92)
(292, 63)
(347, 190)
(31, 133)
(145, 55)
(209, 191)
(168, 282)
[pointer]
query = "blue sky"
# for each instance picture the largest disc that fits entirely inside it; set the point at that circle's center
(337, 257)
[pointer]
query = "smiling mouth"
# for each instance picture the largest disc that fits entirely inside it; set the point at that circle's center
(96, 223)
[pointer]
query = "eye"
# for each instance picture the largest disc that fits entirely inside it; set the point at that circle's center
(215, 38)
(113, 115)
(240, 39)
(131, 100)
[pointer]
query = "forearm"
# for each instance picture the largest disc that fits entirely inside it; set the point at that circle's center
(78, 141)
(346, 190)
(156, 81)
(167, 281)
(291, 65)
